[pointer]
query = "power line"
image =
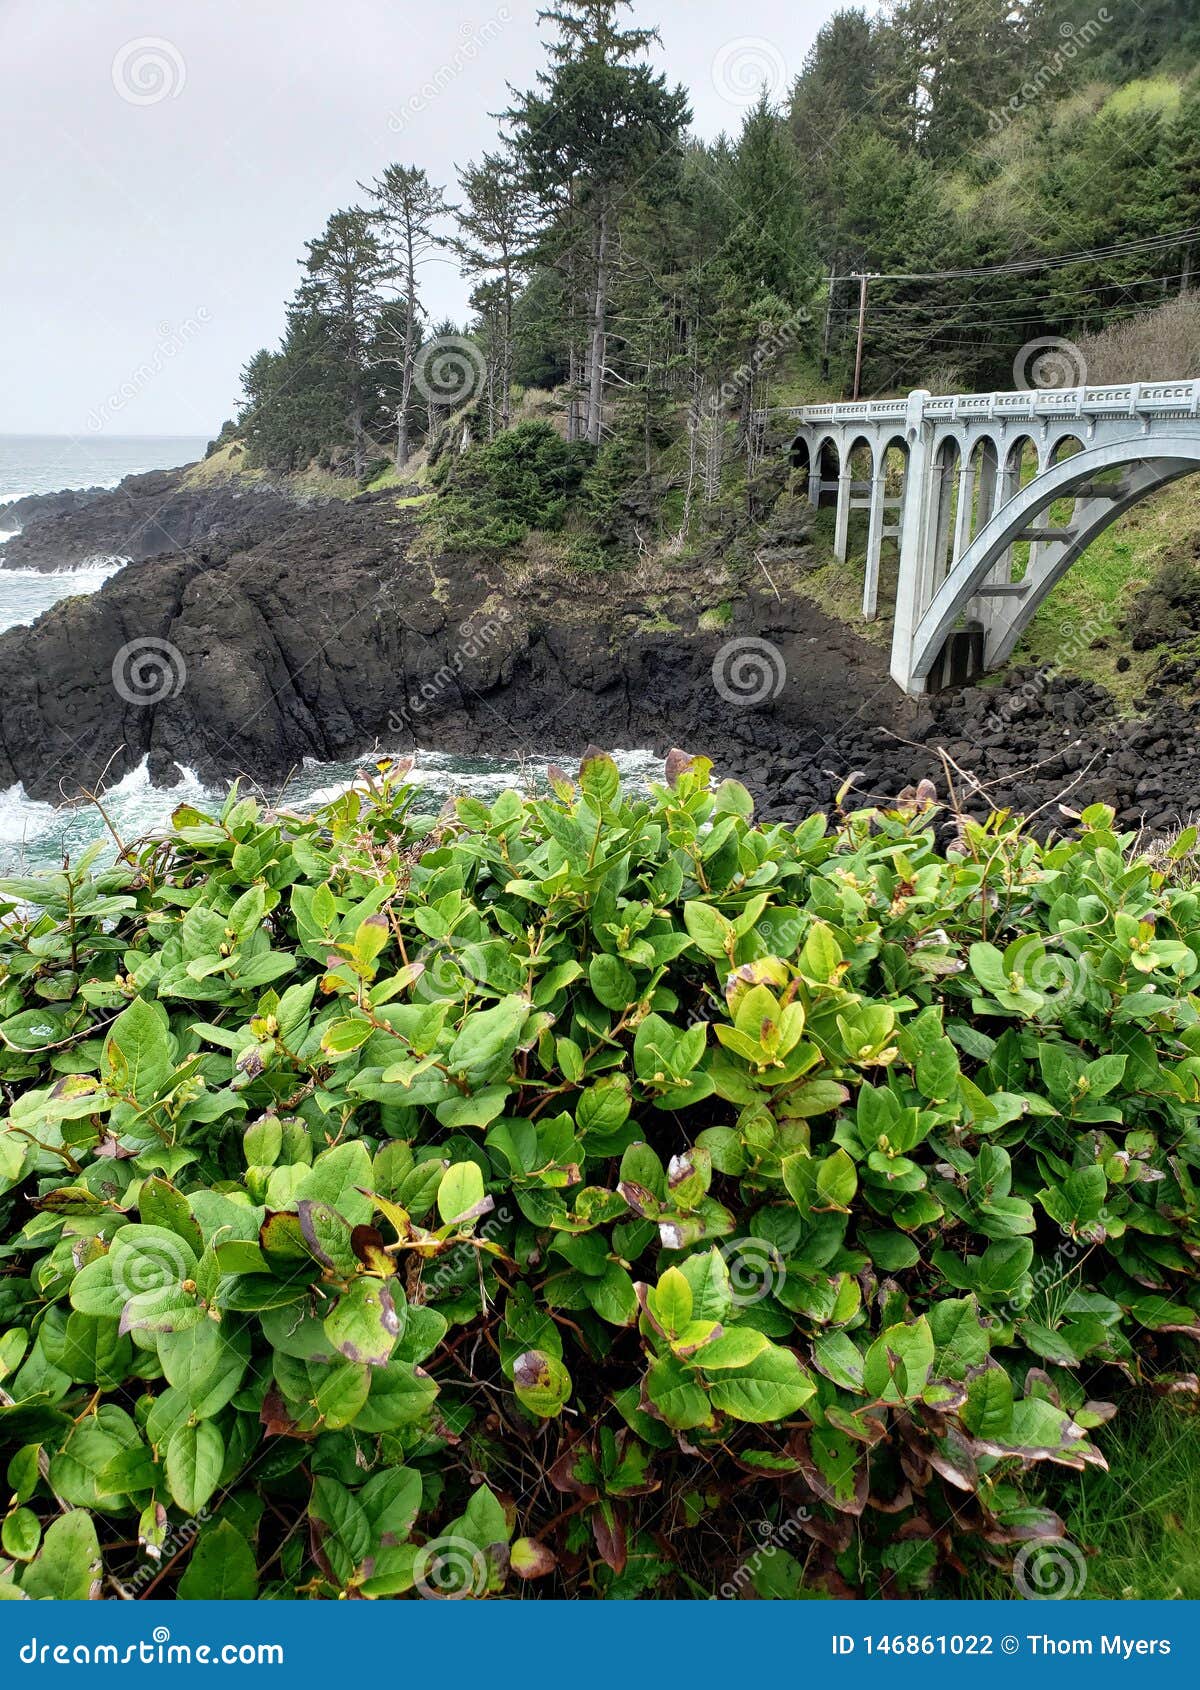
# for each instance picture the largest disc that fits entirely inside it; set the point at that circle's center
(1149, 243)
(1076, 297)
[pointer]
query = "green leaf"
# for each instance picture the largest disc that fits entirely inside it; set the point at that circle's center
(898, 1363)
(339, 1177)
(194, 1458)
(599, 777)
(137, 1051)
(488, 1038)
(987, 965)
(987, 1411)
(68, 1569)
(771, 1387)
(21, 1534)
(221, 1567)
(460, 1195)
(367, 1320)
(710, 931)
(837, 1181)
(671, 1302)
(344, 1531)
(541, 1382)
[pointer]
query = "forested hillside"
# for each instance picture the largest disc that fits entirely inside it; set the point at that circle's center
(650, 279)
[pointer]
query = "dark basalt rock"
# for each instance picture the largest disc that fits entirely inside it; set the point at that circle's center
(143, 517)
(36, 507)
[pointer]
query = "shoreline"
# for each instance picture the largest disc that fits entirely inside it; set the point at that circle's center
(314, 629)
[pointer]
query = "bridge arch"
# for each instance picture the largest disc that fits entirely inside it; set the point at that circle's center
(1005, 609)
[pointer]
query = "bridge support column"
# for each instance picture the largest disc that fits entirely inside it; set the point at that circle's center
(966, 500)
(911, 584)
(874, 545)
(841, 530)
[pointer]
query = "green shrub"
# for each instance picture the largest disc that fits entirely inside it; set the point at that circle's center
(499, 489)
(578, 1188)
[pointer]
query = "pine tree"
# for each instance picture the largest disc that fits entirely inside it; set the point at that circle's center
(347, 272)
(407, 209)
(495, 231)
(599, 130)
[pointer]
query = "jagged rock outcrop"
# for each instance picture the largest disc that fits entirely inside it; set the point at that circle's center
(143, 517)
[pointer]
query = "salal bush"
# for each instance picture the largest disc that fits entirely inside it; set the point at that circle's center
(589, 1194)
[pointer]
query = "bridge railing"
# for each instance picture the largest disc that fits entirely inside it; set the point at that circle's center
(1133, 399)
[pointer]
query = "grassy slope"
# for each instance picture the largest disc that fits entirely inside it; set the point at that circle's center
(1140, 1535)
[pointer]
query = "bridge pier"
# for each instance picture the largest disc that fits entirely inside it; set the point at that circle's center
(841, 523)
(965, 512)
(875, 526)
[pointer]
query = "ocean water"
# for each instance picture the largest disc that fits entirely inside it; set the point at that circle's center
(47, 463)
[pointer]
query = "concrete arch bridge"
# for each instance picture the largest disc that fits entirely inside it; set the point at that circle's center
(990, 497)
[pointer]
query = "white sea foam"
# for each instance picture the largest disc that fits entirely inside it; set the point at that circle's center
(26, 593)
(35, 835)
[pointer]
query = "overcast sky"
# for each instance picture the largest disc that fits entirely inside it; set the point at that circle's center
(162, 163)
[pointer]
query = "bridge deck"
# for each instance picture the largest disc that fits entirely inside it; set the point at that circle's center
(1136, 399)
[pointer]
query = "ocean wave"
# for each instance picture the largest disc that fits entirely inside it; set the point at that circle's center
(57, 487)
(135, 805)
(34, 834)
(99, 563)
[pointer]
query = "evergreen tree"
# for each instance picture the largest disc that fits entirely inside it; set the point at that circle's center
(407, 209)
(599, 129)
(495, 230)
(347, 272)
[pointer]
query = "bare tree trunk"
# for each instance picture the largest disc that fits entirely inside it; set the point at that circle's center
(575, 429)
(597, 347)
(713, 426)
(403, 450)
(506, 359)
(359, 435)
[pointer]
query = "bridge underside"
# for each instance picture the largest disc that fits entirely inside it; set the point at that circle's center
(989, 500)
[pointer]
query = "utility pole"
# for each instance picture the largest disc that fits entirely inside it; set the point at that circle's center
(862, 278)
